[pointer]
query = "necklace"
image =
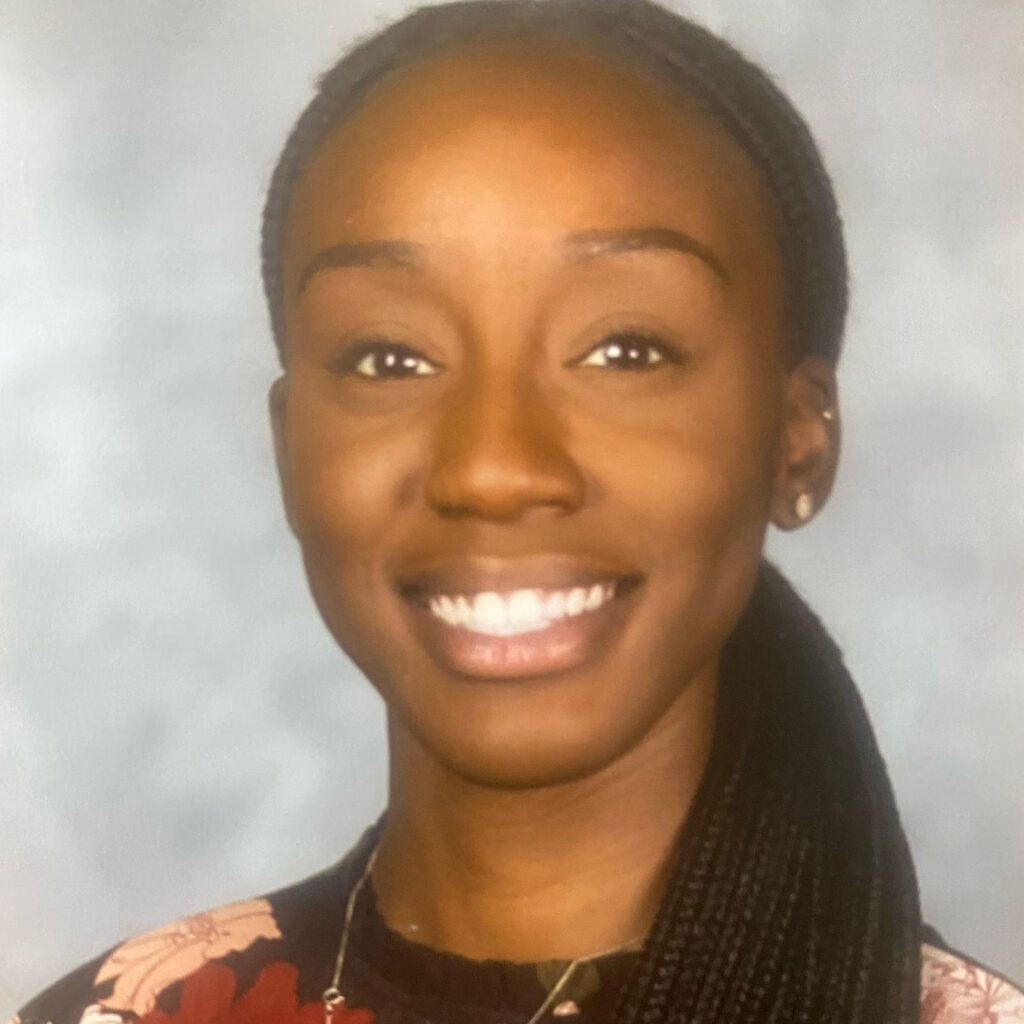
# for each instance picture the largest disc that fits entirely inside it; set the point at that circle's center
(333, 999)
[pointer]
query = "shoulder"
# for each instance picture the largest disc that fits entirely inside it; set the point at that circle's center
(216, 964)
(212, 956)
(128, 979)
(957, 990)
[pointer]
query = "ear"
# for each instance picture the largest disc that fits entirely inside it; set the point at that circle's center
(278, 404)
(808, 443)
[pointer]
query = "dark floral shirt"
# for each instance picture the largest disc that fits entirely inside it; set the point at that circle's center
(268, 961)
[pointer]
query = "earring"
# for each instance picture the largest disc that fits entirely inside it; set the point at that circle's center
(828, 414)
(804, 506)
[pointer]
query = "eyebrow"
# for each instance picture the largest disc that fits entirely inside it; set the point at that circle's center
(390, 254)
(587, 245)
(394, 255)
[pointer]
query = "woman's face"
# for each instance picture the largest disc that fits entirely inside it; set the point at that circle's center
(532, 425)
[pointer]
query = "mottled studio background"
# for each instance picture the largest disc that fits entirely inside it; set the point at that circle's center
(176, 730)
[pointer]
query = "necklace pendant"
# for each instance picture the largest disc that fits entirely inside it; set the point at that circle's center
(568, 1008)
(332, 999)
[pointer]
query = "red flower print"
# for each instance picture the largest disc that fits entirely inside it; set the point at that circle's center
(143, 967)
(208, 997)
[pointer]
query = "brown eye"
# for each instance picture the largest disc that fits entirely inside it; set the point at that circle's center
(387, 360)
(626, 351)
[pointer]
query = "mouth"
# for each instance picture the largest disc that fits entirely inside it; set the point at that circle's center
(507, 622)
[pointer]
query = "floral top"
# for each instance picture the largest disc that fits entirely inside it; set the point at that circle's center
(268, 961)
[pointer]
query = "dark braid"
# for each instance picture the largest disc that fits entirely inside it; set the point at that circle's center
(793, 898)
(688, 58)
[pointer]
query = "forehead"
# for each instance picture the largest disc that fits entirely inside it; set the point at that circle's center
(506, 147)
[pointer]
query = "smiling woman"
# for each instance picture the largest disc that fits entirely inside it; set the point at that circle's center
(558, 290)
(612, 420)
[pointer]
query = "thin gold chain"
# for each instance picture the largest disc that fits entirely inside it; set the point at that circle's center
(332, 997)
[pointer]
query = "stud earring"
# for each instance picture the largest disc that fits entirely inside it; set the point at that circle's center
(804, 506)
(828, 414)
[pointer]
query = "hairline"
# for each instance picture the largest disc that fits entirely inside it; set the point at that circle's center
(680, 90)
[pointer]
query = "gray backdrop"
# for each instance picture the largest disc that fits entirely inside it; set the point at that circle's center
(176, 729)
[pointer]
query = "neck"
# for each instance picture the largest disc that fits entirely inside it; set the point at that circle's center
(570, 870)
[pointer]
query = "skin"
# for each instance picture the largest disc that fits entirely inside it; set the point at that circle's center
(534, 817)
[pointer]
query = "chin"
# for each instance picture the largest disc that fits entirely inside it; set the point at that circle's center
(531, 735)
(515, 762)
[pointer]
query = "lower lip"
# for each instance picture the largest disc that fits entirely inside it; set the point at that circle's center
(566, 644)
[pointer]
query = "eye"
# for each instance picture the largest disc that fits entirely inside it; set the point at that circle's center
(386, 360)
(627, 350)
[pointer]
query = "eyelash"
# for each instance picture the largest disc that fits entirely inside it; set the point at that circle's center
(629, 343)
(409, 363)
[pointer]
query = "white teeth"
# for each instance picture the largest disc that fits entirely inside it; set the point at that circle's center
(554, 608)
(576, 601)
(524, 607)
(521, 611)
(490, 613)
(444, 608)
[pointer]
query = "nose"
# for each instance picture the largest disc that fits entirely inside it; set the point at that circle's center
(499, 452)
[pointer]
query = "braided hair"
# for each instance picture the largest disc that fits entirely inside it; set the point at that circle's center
(793, 896)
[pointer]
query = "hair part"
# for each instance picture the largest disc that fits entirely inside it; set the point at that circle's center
(690, 60)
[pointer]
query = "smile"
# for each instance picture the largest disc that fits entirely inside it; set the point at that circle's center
(521, 611)
(500, 620)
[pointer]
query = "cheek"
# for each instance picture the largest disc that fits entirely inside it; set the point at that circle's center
(349, 481)
(691, 473)
(694, 487)
(349, 477)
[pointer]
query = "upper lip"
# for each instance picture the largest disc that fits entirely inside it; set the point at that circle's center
(479, 574)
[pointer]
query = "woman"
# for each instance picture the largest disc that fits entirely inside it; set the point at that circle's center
(559, 291)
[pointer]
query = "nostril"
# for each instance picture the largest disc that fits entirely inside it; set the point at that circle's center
(500, 491)
(500, 452)
(503, 480)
